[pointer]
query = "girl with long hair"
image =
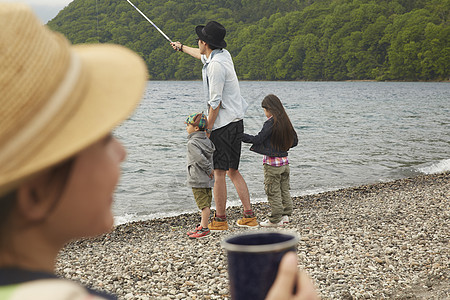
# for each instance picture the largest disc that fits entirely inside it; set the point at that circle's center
(273, 141)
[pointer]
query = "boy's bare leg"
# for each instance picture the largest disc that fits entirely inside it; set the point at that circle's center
(205, 217)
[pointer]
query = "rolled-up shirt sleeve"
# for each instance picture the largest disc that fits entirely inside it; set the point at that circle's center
(216, 81)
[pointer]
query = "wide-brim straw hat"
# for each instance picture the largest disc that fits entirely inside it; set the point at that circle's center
(57, 99)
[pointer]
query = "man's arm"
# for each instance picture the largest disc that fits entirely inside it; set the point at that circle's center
(212, 115)
(194, 52)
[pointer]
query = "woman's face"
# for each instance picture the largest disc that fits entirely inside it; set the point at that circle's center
(84, 208)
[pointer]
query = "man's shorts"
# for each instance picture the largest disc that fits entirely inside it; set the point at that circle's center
(228, 141)
(203, 197)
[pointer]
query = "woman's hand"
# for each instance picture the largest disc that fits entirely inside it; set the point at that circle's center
(288, 275)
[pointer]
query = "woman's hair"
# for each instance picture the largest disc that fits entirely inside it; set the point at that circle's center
(7, 203)
(282, 132)
(59, 176)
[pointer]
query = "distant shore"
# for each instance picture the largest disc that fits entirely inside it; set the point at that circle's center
(387, 240)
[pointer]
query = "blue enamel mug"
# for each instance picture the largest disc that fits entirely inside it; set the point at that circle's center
(253, 260)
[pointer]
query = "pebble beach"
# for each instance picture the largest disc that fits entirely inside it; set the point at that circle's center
(383, 241)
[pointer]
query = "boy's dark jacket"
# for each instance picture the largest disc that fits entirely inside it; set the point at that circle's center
(261, 141)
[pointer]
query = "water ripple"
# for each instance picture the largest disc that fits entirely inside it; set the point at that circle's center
(350, 133)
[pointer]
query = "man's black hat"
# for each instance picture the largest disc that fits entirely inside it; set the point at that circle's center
(213, 34)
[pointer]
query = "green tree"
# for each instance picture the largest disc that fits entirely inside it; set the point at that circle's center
(278, 40)
(407, 41)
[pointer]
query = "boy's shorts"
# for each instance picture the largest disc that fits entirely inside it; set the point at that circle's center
(203, 197)
(228, 141)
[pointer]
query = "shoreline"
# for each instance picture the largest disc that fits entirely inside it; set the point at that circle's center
(385, 240)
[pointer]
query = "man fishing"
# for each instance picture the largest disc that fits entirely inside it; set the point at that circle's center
(226, 109)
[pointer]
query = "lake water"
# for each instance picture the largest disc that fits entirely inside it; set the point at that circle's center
(350, 133)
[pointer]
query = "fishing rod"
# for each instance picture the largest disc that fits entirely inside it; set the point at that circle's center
(160, 31)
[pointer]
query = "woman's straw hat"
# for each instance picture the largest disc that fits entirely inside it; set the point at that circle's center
(56, 99)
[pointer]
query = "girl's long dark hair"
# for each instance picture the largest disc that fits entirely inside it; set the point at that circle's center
(283, 131)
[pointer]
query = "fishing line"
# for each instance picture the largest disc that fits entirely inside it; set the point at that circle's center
(160, 31)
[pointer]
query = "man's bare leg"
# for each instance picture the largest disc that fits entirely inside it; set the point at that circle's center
(220, 191)
(241, 187)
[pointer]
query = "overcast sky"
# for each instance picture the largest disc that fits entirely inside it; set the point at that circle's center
(45, 9)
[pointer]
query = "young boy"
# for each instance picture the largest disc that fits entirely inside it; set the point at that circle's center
(200, 169)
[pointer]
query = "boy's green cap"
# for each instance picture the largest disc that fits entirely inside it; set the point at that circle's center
(197, 119)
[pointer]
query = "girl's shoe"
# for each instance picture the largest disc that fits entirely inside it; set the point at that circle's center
(285, 219)
(267, 223)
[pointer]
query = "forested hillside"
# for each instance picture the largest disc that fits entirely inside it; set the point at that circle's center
(278, 39)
